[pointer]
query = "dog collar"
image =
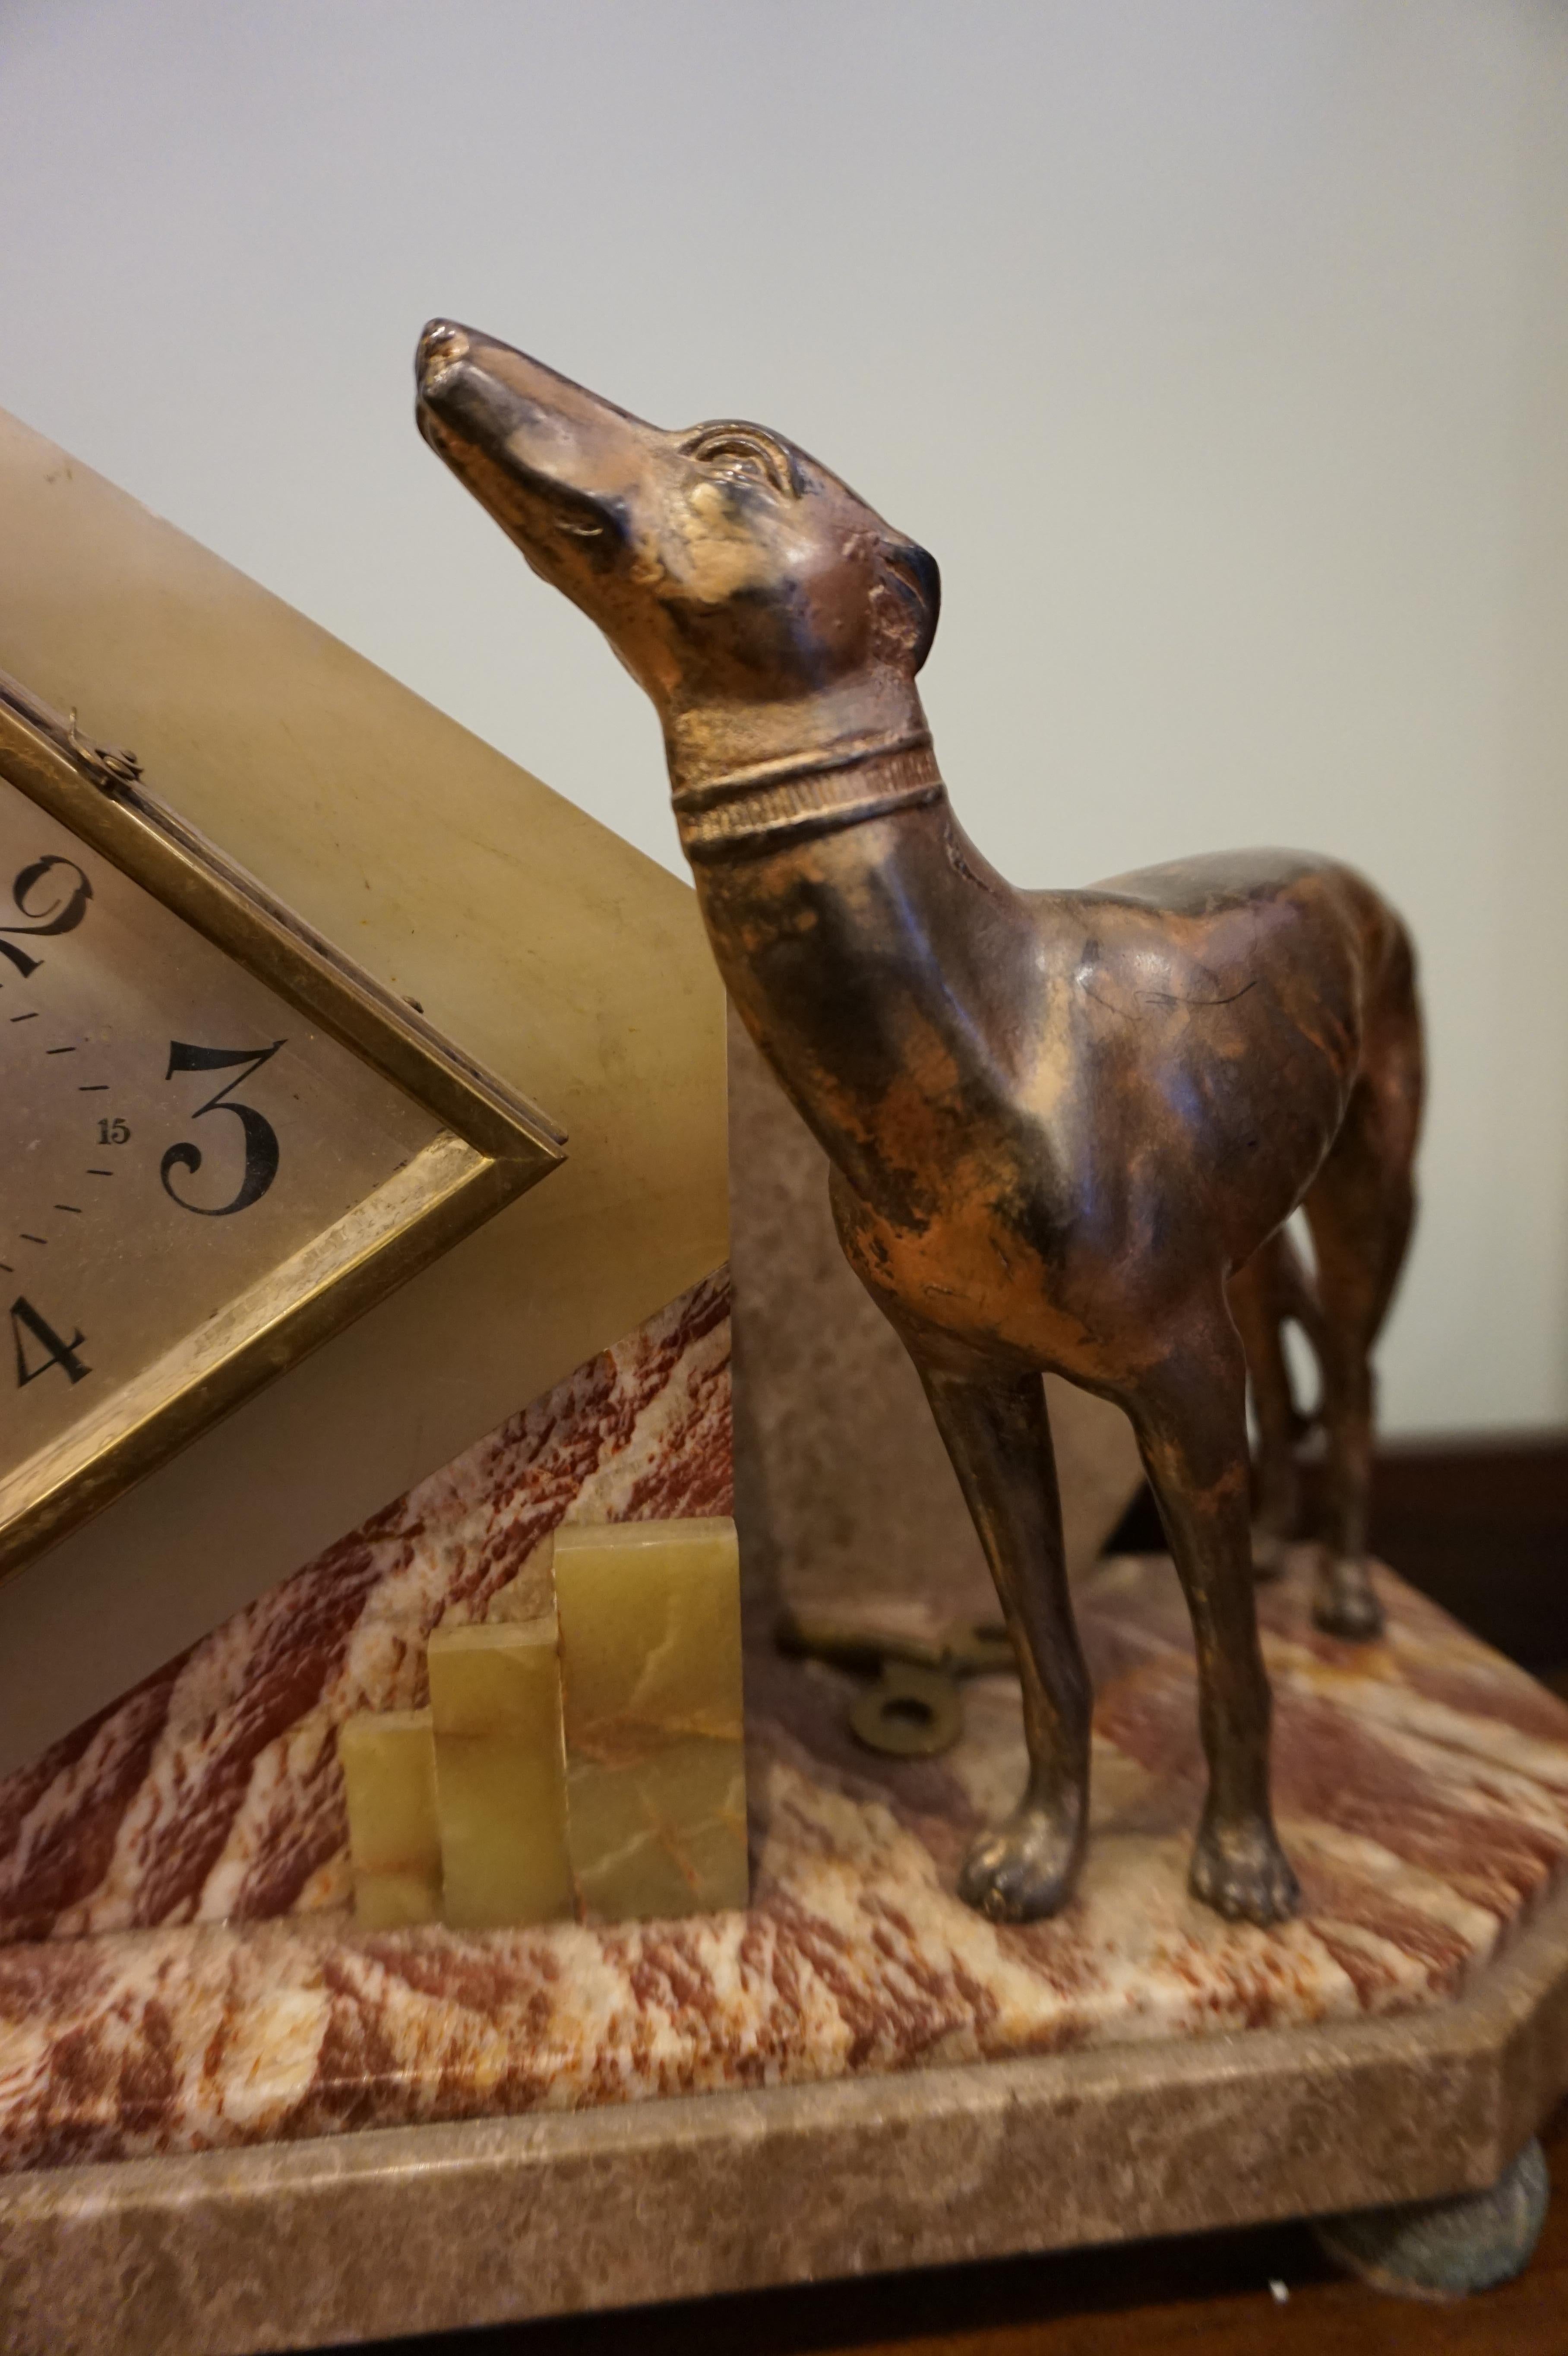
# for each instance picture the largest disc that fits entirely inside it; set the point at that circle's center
(779, 802)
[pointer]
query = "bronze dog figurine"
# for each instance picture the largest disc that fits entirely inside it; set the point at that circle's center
(1065, 1128)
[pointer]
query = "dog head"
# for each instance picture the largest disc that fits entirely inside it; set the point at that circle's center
(726, 567)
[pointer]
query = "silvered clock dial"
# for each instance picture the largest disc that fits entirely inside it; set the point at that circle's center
(218, 1139)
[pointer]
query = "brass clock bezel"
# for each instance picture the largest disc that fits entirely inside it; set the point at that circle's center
(494, 1146)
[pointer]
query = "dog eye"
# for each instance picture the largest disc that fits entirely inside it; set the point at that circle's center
(738, 462)
(741, 455)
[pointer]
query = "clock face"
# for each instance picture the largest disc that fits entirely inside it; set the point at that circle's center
(172, 1133)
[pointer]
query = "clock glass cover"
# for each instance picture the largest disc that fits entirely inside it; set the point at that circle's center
(193, 1169)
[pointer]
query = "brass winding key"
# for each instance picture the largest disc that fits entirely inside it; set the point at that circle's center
(913, 1710)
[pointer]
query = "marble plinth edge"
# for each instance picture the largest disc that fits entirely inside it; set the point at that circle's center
(423, 2229)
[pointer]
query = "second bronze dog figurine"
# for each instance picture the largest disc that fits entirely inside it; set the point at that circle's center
(1065, 1128)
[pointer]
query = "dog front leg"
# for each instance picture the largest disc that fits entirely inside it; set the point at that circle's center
(996, 1431)
(1191, 1417)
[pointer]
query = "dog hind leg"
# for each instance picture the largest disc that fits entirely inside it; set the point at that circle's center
(1361, 1209)
(1263, 1295)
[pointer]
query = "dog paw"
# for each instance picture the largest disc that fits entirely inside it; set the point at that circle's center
(1243, 1874)
(1346, 1603)
(1025, 1869)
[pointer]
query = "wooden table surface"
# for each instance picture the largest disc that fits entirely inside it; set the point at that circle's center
(1211, 2294)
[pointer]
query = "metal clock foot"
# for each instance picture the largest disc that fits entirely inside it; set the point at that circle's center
(1445, 2249)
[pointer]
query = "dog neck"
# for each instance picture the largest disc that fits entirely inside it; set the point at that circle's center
(828, 863)
(756, 779)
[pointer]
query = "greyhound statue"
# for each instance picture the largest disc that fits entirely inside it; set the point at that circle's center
(1065, 1128)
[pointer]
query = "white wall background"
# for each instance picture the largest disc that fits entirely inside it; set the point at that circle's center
(1219, 348)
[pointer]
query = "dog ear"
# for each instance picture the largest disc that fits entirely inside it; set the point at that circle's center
(918, 583)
